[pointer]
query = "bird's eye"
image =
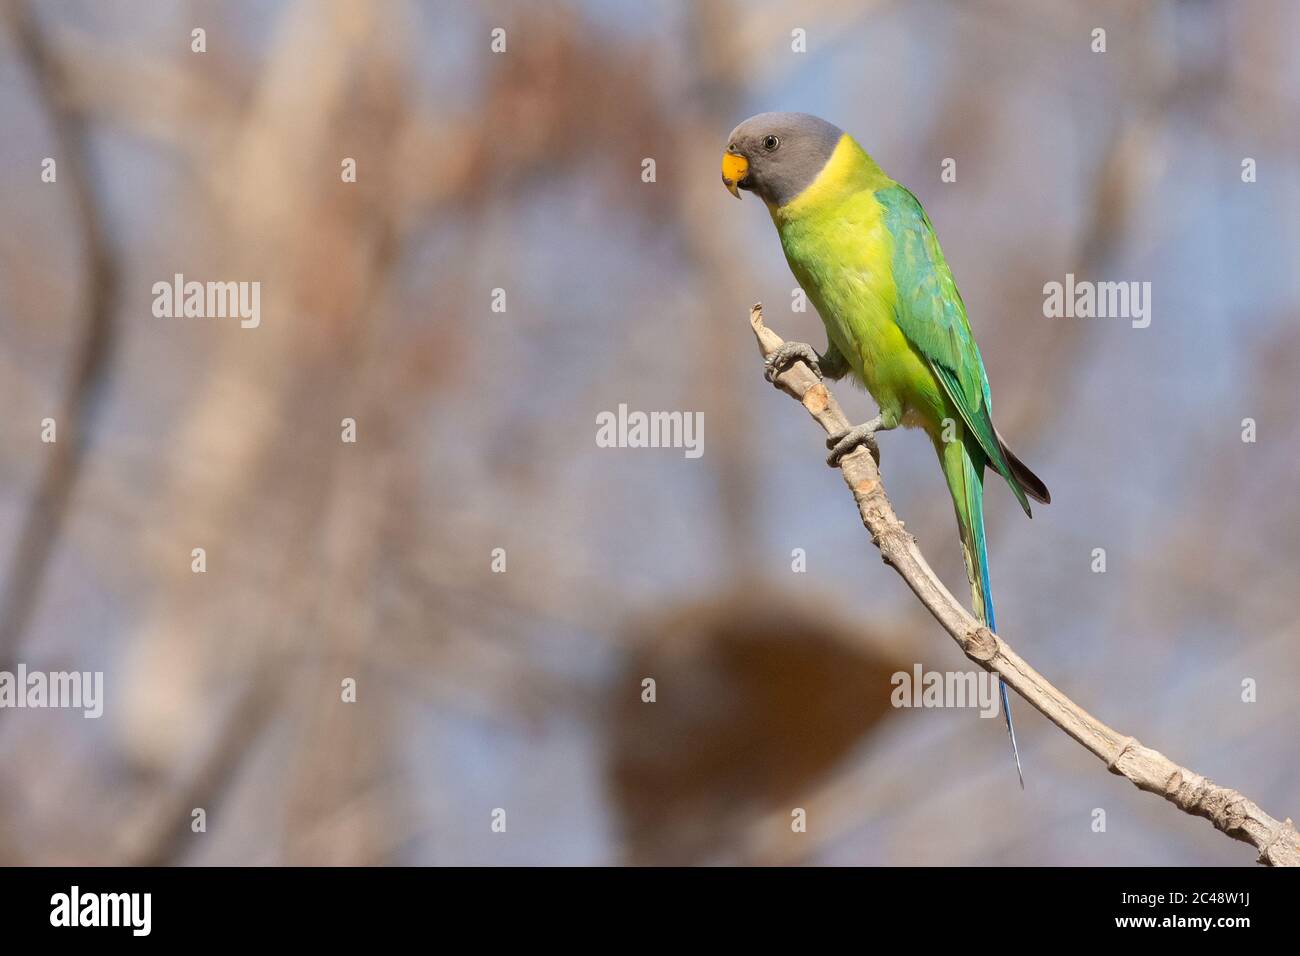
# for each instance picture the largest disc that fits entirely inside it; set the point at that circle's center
(770, 143)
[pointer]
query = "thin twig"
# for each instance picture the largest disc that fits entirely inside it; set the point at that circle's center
(1278, 843)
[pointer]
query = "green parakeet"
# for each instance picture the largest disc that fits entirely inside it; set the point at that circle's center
(865, 253)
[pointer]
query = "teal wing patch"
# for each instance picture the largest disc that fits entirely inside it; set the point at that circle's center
(933, 318)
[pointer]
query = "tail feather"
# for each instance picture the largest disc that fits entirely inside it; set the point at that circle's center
(1011, 730)
(1030, 483)
(966, 482)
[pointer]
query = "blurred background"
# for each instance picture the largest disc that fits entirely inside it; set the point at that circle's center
(521, 171)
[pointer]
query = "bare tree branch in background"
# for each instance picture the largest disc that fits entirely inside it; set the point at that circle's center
(1278, 843)
(88, 374)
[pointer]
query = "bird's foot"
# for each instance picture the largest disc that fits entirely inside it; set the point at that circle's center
(841, 443)
(786, 355)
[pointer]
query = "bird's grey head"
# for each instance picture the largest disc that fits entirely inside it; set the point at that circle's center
(777, 155)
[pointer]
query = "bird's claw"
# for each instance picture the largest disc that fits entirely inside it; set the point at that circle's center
(786, 355)
(841, 443)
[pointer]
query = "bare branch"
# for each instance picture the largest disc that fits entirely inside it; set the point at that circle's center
(1278, 843)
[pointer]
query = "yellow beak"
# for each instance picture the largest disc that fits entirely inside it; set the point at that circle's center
(734, 169)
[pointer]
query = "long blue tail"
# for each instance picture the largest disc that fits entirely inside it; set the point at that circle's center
(966, 482)
(992, 626)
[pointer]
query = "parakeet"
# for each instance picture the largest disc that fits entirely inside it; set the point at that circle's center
(865, 253)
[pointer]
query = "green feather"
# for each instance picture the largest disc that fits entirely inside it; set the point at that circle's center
(932, 315)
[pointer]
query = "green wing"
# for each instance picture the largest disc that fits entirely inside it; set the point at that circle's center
(932, 316)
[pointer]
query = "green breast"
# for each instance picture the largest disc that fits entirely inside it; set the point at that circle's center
(841, 254)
